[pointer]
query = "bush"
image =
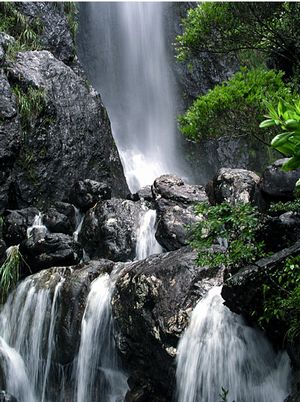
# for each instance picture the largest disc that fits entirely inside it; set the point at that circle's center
(10, 271)
(235, 226)
(234, 107)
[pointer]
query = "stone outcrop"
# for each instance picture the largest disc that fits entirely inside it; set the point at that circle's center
(233, 186)
(60, 218)
(86, 193)
(174, 202)
(152, 303)
(110, 229)
(16, 223)
(277, 185)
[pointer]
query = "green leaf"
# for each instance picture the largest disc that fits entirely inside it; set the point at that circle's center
(291, 164)
(267, 123)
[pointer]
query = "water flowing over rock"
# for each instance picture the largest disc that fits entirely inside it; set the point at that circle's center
(16, 223)
(175, 201)
(129, 41)
(219, 350)
(151, 305)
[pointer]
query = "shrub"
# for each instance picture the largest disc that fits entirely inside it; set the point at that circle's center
(10, 271)
(236, 106)
(234, 226)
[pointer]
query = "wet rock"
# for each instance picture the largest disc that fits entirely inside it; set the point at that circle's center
(145, 193)
(109, 229)
(6, 397)
(151, 305)
(278, 185)
(86, 193)
(60, 218)
(55, 33)
(55, 249)
(69, 139)
(174, 202)
(16, 223)
(233, 185)
(5, 40)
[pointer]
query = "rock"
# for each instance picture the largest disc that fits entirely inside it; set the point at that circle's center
(109, 229)
(53, 250)
(16, 223)
(60, 218)
(152, 302)
(55, 33)
(233, 185)
(86, 193)
(276, 184)
(145, 193)
(69, 139)
(5, 40)
(243, 292)
(295, 397)
(6, 397)
(2, 251)
(174, 202)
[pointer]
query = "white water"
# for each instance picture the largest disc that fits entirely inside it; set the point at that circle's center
(219, 350)
(37, 228)
(98, 375)
(27, 324)
(123, 48)
(147, 244)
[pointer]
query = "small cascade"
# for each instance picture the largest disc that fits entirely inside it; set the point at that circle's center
(79, 217)
(219, 350)
(37, 228)
(98, 375)
(27, 324)
(147, 244)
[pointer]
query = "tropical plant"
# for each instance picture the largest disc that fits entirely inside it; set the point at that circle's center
(233, 226)
(287, 117)
(10, 271)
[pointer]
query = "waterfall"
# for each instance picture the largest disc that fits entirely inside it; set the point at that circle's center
(98, 375)
(27, 324)
(37, 228)
(146, 244)
(123, 48)
(219, 350)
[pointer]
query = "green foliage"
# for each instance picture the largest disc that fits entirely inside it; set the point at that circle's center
(9, 272)
(282, 207)
(31, 102)
(237, 105)
(282, 297)
(25, 30)
(222, 27)
(287, 117)
(70, 9)
(236, 225)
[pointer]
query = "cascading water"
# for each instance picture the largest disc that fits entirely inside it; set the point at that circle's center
(27, 324)
(146, 244)
(123, 48)
(98, 375)
(219, 350)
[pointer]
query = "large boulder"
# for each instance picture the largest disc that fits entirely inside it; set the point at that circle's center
(278, 185)
(109, 229)
(50, 250)
(86, 193)
(60, 218)
(16, 223)
(152, 303)
(174, 202)
(66, 137)
(232, 186)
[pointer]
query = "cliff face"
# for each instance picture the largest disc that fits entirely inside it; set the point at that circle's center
(54, 129)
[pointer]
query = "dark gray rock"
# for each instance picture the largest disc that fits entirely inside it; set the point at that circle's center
(233, 186)
(174, 202)
(68, 140)
(151, 304)
(55, 33)
(61, 218)
(6, 397)
(278, 185)
(16, 223)
(5, 40)
(145, 193)
(86, 193)
(53, 250)
(109, 229)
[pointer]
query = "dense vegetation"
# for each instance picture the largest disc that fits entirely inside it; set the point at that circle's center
(264, 37)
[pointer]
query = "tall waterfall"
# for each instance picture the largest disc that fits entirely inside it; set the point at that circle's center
(123, 48)
(220, 350)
